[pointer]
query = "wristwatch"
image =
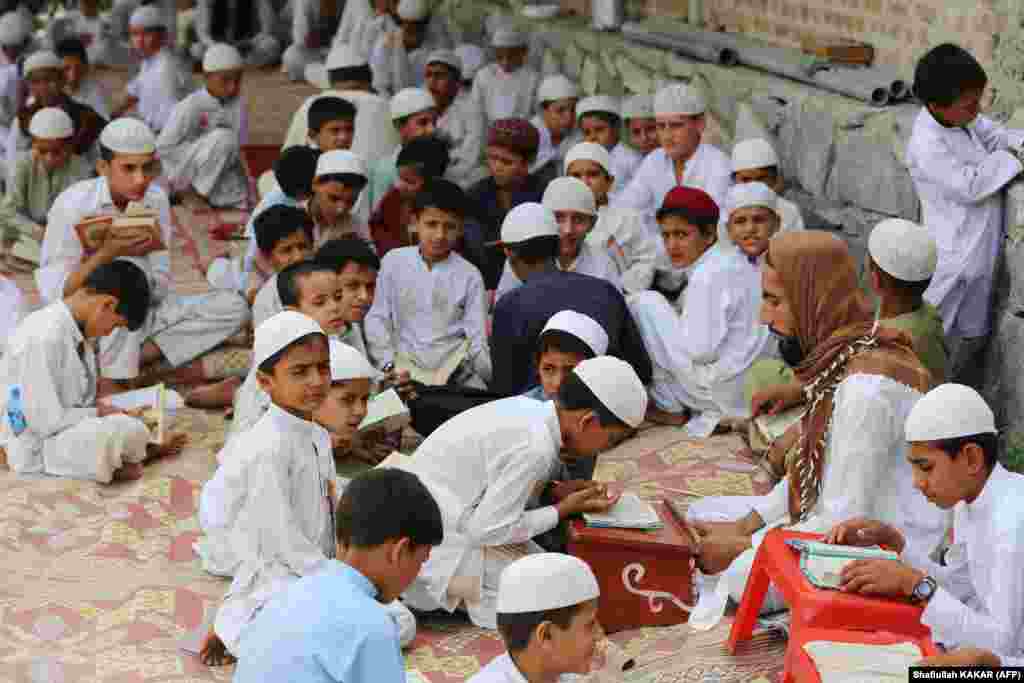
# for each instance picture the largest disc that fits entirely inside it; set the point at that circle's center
(924, 590)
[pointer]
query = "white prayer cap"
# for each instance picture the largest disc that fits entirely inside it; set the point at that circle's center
(545, 581)
(340, 161)
(51, 123)
(128, 136)
(594, 103)
(413, 10)
(581, 326)
(744, 195)
(409, 101)
(569, 194)
(222, 57)
(347, 363)
(508, 37)
(279, 331)
(638, 107)
(344, 56)
(527, 221)
(589, 151)
(753, 153)
(556, 87)
(14, 29)
(447, 57)
(903, 249)
(41, 60)
(472, 58)
(615, 384)
(679, 99)
(949, 411)
(147, 17)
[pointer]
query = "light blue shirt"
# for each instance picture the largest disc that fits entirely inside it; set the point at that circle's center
(537, 393)
(323, 628)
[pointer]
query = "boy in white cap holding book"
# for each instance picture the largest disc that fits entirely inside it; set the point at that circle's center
(638, 113)
(484, 465)
(755, 161)
(600, 121)
(556, 123)
(200, 144)
(507, 87)
(459, 117)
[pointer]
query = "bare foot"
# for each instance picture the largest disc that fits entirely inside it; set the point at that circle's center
(214, 652)
(173, 445)
(129, 471)
(661, 417)
(218, 395)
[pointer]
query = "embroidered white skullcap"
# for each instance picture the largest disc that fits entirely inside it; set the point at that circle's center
(41, 60)
(615, 384)
(581, 326)
(569, 194)
(447, 57)
(545, 581)
(527, 221)
(280, 330)
(508, 37)
(413, 10)
(556, 87)
(128, 136)
(753, 153)
(14, 28)
(348, 363)
(471, 58)
(409, 101)
(745, 195)
(589, 151)
(147, 17)
(949, 411)
(638, 107)
(222, 57)
(344, 56)
(597, 103)
(679, 98)
(340, 161)
(903, 249)
(51, 123)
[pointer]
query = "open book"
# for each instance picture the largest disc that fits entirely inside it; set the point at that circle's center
(439, 376)
(137, 219)
(630, 512)
(822, 563)
(156, 401)
(765, 429)
(386, 411)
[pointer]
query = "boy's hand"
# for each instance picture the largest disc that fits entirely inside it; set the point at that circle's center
(118, 245)
(563, 489)
(886, 578)
(402, 383)
(591, 499)
(866, 532)
(776, 399)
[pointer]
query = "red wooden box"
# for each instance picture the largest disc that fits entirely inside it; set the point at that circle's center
(646, 577)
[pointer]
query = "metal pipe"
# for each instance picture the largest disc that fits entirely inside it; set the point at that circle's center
(853, 85)
(698, 50)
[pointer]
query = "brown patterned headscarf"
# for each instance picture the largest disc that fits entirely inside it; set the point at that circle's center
(837, 330)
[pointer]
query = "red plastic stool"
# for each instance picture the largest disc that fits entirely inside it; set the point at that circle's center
(800, 667)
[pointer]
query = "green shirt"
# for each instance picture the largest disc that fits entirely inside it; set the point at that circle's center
(25, 206)
(925, 327)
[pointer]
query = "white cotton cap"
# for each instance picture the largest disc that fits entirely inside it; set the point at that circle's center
(597, 103)
(508, 37)
(753, 153)
(447, 57)
(347, 363)
(903, 249)
(745, 195)
(472, 58)
(280, 330)
(679, 99)
(556, 87)
(51, 123)
(949, 411)
(128, 136)
(589, 151)
(147, 17)
(638, 107)
(527, 221)
(615, 384)
(14, 29)
(581, 326)
(340, 161)
(413, 10)
(569, 194)
(222, 57)
(409, 101)
(545, 581)
(344, 56)
(41, 60)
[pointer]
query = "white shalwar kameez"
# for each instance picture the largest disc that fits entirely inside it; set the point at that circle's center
(625, 162)
(427, 312)
(12, 310)
(700, 357)
(591, 260)
(160, 84)
(502, 95)
(959, 174)
(54, 367)
(200, 146)
(621, 232)
(790, 217)
(547, 151)
(482, 467)
(501, 669)
(463, 123)
(183, 328)
(865, 474)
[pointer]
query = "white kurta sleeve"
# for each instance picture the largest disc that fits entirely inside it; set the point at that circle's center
(468, 144)
(380, 323)
(61, 251)
(474, 322)
(964, 182)
(774, 505)
(705, 319)
(995, 136)
(637, 195)
(640, 252)
(45, 414)
(175, 134)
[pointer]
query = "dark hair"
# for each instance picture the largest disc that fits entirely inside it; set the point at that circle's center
(430, 154)
(72, 47)
(289, 288)
(127, 283)
(888, 281)
(338, 253)
(294, 170)
(106, 154)
(353, 180)
(280, 222)
(386, 504)
(575, 395)
(705, 227)
(945, 73)
(563, 342)
(535, 250)
(609, 117)
(517, 628)
(267, 366)
(453, 73)
(362, 73)
(327, 109)
(988, 443)
(443, 195)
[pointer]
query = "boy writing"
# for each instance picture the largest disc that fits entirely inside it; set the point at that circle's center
(755, 161)
(600, 122)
